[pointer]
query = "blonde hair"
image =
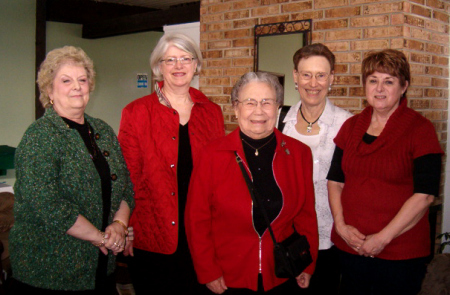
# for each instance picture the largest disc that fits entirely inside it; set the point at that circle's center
(181, 42)
(53, 62)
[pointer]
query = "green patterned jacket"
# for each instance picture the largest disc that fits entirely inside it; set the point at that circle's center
(56, 181)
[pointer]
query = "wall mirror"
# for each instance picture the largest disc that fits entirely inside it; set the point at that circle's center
(275, 45)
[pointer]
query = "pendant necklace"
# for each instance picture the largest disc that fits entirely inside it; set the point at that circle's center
(256, 149)
(309, 127)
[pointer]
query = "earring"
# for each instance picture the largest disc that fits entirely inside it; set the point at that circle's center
(51, 101)
(329, 88)
(296, 86)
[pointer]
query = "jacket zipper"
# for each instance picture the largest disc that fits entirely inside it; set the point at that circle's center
(259, 237)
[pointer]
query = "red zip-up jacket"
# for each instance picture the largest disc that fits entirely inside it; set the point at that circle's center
(219, 223)
(148, 137)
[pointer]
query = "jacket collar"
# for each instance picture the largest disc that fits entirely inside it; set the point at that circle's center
(52, 115)
(233, 141)
(326, 118)
(196, 95)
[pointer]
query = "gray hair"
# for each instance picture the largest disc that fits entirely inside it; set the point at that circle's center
(181, 42)
(262, 77)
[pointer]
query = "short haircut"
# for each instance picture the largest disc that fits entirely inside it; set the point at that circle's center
(316, 49)
(262, 77)
(53, 62)
(388, 61)
(181, 42)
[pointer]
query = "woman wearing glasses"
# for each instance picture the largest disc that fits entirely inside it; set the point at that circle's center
(315, 121)
(161, 136)
(230, 244)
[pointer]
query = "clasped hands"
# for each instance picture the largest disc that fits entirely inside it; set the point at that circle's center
(114, 239)
(369, 246)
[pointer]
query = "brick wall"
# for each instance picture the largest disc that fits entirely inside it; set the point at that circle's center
(350, 28)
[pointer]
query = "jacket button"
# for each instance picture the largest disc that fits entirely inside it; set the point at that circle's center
(114, 177)
(106, 153)
(173, 138)
(173, 222)
(97, 136)
(174, 112)
(172, 165)
(172, 193)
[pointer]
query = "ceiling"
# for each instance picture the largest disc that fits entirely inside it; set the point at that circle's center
(156, 4)
(106, 18)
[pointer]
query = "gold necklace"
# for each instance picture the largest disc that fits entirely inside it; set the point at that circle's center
(256, 149)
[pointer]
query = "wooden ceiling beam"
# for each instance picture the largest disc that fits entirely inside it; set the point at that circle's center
(85, 11)
(148, 21)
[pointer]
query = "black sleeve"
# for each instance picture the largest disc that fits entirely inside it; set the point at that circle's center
(335, 173)
(427, 174)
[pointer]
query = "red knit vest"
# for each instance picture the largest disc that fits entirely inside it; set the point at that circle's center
(379, 178)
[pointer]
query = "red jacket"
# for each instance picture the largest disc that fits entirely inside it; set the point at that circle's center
(219, 225)
(148, 136)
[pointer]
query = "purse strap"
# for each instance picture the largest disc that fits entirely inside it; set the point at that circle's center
(254, 194)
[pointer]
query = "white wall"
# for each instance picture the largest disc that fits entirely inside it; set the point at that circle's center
(17, 63)
(117, 61)
(17, 58)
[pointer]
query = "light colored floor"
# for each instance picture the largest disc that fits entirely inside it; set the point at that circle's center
(125, 289)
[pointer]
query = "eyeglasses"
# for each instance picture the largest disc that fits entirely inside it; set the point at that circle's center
(251, 104)
(170, 61)
(320, 76)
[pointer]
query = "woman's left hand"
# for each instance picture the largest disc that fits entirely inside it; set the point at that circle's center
(372, 246)
(115, 237)
(303, 280)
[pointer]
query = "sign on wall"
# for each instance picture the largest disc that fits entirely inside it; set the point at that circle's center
(142, 80)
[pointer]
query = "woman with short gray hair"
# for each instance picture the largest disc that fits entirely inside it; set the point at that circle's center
(180, 41)
(161, 136)
(73, 192)
(261, 77)
(228, 236)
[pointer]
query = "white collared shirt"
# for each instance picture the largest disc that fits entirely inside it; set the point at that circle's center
(322, 148)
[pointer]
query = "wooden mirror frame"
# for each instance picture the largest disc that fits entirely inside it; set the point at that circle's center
(284, 28)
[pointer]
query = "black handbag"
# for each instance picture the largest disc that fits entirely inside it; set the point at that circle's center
(292, 255)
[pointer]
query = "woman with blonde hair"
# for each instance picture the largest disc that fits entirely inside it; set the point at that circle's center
(73, 193)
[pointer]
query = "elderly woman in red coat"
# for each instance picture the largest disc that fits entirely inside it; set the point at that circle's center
(228, 237)
(161, 136)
